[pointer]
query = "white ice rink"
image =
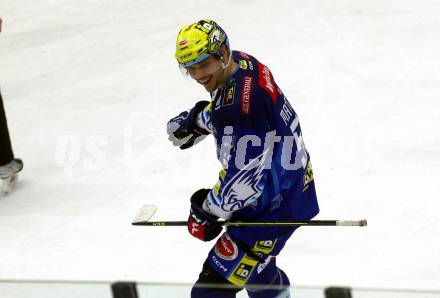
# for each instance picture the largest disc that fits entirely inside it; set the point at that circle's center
(89, 86)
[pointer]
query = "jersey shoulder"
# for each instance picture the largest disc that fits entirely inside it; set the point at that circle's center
(247, 96)
(262, 77)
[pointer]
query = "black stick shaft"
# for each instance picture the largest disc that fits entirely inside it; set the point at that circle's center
(359, 223)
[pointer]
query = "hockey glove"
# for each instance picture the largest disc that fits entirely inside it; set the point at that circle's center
(201, 224)
(183, 130)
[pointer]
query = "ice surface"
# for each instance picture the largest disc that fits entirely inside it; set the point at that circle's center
(89, 85)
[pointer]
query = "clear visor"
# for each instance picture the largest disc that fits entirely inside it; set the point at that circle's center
(201, 69)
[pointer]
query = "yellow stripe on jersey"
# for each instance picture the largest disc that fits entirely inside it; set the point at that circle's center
(223, 174)
(209, 107)
(308, 176)
(217, 188)
(219, 183)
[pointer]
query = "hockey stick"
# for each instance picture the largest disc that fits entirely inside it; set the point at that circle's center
(146, 212)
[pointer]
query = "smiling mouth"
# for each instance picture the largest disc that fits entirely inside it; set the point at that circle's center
(205, 81)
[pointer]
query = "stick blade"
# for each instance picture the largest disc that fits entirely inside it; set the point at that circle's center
(352, 223)
(144, 214)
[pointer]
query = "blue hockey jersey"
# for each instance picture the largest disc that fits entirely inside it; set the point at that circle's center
(267, 173)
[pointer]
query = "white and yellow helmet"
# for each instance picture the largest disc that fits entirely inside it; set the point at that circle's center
(197, 41)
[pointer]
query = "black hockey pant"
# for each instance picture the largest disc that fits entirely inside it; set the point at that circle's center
(6, 153)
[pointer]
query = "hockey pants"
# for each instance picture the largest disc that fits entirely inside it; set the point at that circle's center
(271, 283)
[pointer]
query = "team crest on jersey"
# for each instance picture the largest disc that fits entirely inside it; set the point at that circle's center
(228, 98)
(244, 188)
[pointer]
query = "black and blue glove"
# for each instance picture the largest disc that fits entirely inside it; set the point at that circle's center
(183, 130)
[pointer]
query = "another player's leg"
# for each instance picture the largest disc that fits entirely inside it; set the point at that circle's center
(9, 166)
(212, 285)
(6, 153)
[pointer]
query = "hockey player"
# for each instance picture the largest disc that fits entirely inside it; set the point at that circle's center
(9, 166)
(266, 171)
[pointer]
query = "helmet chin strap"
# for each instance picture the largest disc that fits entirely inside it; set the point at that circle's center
(225, 67)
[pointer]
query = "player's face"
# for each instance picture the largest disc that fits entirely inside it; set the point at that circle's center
(208, 73)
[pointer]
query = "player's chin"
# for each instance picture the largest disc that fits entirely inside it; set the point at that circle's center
(210, 85)
(209, 89)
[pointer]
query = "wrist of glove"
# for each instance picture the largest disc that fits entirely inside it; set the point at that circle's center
(201, 224)
(183, 130)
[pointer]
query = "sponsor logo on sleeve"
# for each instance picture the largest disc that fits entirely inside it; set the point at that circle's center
(266, 81)
(246, 95)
